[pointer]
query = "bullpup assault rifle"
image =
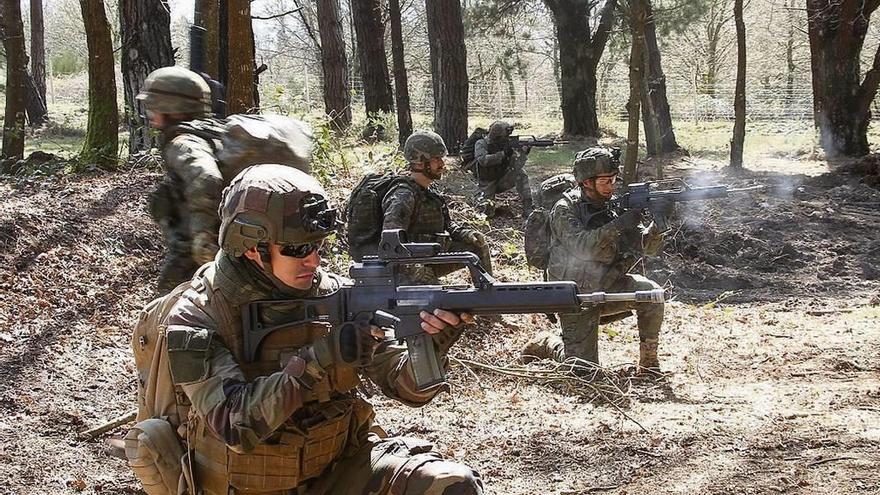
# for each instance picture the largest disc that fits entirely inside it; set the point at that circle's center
(375, 293)
(659, 197)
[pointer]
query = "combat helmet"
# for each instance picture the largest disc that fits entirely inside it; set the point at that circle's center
(273, 204)
(176, 90)
(499, 130)
(421, 146)
(596, 161)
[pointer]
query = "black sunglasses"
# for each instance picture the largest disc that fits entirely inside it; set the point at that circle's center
(301, 250)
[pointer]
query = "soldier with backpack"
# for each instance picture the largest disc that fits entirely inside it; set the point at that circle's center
(291, 419)
(499, 167)
(201, 154)
(409, 201)
(582, 240)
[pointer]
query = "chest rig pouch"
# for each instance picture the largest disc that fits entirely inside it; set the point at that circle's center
(491, 173)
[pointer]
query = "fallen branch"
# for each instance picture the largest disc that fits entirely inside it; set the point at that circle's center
(820, 312)
(109, 425)
(830, 459)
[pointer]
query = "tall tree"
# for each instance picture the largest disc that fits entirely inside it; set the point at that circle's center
(16, 80)
(207, 16)
(240, 80)
(401, 86)
(739, 98)
(659, 134)
(579, 53)
(145, 27)
(337, 98)
(841, 99)
(370, 30)
(38, 62)
(636, 66)
(102, 138)
(448, 70)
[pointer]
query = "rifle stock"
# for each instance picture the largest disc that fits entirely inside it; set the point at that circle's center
(375, 291)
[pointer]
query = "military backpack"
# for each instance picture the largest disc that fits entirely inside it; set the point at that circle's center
(467, 148)
(364, 215)
(240, 141)
(153, 446)
(537, 231)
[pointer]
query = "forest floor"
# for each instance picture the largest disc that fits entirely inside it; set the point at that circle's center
(770, 348)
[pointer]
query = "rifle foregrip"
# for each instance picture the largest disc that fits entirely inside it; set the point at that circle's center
(425, 363)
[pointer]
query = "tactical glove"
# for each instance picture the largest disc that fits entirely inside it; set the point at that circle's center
(204, 247)
(471, 236)
(448, 337)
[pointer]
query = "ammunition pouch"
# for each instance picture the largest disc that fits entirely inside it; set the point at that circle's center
(161, 205)
(155, 455)
(299, 450)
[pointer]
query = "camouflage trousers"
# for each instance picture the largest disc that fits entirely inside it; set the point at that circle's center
(514, 177)
(430, 274)
(178, 265)
(396, 466)
(580, 332)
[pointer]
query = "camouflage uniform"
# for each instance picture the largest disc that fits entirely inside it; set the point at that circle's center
(285, 423)
(423, 214)
(590, 246)
(185, 204)
(497, 171)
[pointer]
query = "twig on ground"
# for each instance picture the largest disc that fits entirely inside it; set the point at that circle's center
(572, 370)
(820, 312)
(818, 462)
(109, 425)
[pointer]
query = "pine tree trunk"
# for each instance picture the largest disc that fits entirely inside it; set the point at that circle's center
(146, 46)
(841, 104)
(102, 138)
(240, 84)
(448, 71)
(34, 104)
(401, 86)
(337, 98)
(657, 104)
(38, 58)
(636, 63)
(16, 81)
(370, 30)
(223, 55)
(209, 18)
(579, 55)
(739, 99)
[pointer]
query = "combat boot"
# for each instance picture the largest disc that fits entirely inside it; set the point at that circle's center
(545, 345)
(648, 362)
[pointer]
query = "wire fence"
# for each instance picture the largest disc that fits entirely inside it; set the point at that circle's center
(540, 98)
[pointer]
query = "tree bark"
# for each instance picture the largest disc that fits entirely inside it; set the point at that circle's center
(35, 105)
(16, 80)
(370, 30)
(448, 71)
(337, 98)
(240, 82)
(739, 98)
(401, 86)
(38, 57)
(579, 55)
(146, 46)
(841, 103)
(636, 67)
(209, 18)
(102, 139)
(656, 106)
(223, 55)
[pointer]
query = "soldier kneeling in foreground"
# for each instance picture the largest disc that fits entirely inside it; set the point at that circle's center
(596, 247)
(291, 421)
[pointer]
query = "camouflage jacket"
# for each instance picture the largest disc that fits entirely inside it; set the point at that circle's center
(588, 244)
(194, 184)
(243, 403)
(421, 212)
